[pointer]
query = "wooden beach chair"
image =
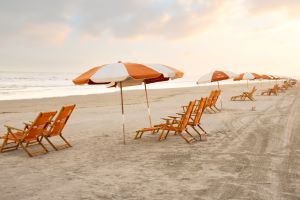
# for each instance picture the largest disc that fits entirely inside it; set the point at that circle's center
(214, 100)
(57, 126)
(179, 127)
(245, 95)
(210, 101)
(195, 119)
(271, 91)
(31, 134)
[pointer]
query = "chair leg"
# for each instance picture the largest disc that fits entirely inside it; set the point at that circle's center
(25, 149)
(53, 146)
(188, 141)
(138, 135)
(40, 143)
(3, 145)
(202, 129)
(161, 136)
(217, 108)
(64, 139)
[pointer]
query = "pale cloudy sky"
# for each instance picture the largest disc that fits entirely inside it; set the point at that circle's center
(196, 36)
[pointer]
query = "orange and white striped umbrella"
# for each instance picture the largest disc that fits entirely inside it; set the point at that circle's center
(247, 76)
(128, 74)
(216, 76)
(266, 77)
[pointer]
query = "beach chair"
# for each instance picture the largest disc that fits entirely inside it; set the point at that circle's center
(179, 127)
(279, 89)
(56, 127)
(215, 99)
(210, 101)
(245, 95)
(31, 134)
(195, 119)
(271, 91)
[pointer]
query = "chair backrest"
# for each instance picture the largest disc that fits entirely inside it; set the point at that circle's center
(61, 120)
(216, 96)
(253, 90)
(38, 126)
(210, 98)
(199, 111)
(185, 118)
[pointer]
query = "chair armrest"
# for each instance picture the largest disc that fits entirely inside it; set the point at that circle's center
(174, 117)
(12, 128)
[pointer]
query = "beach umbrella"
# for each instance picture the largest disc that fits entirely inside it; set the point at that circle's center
(265, 77)
(216, 76)
(128, 74)
(247, 76)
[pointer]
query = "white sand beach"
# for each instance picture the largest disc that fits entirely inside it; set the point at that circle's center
(248, 154)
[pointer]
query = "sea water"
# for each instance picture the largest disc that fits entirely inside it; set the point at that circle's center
(31, 85)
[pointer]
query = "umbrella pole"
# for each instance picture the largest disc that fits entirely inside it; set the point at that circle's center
(220, 96)
(148, 106)
(247, 84)
(123, 116)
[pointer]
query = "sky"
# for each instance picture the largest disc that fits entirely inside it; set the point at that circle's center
(195, 36)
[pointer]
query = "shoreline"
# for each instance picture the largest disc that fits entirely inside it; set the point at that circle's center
(237, 83)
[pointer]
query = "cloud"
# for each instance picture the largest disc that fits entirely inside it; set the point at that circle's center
(291, 7)
(135, 18)
(54, 21)
(118, 18)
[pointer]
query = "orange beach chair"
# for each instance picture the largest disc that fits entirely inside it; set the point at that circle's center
(245, 95)
(212, 100)
(195, 119)
(57, 126)
(179, 127)
(31, 134)
(271, 91)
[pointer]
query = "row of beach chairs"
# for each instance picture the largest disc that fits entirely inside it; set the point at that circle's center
(271, 91)
(190, 116)
(276, 89)
(43, 127)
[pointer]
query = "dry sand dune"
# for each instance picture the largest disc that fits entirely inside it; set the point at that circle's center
(248, 155)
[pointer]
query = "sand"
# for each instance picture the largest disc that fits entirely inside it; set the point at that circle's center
(248, 155)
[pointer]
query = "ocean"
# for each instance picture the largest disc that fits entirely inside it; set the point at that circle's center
(32, 85)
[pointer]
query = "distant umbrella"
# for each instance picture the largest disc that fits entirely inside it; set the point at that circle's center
(216, 76)
(247, 76)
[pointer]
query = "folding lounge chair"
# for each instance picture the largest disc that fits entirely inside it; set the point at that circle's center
(57, 126)
(31, 134)
(270, 91)
(210, 100)
(179, 127)
(245, 95)
(215, 99)
(195, 118)
(279, 89)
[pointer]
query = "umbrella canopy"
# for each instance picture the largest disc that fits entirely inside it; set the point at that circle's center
(266, 77)
(247, 76)
(216, 76)
(128, 74)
